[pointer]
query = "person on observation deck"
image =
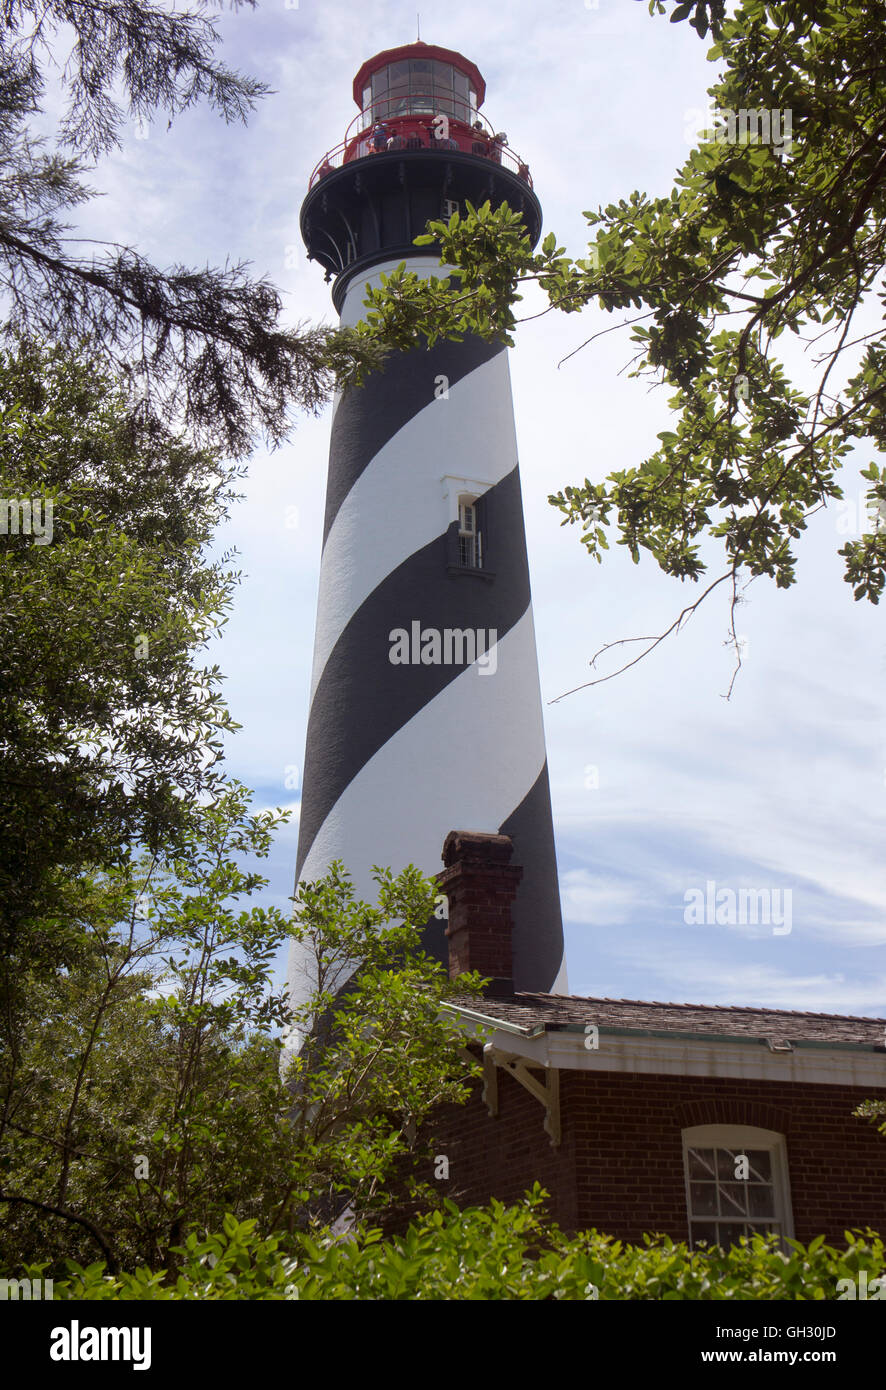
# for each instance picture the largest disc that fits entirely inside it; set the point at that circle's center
(379, 137)
(480, 138)
(437, 140)
(498, 143)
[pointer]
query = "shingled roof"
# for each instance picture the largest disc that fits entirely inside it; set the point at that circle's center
(555, 1012)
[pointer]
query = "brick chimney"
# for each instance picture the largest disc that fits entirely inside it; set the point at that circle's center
(481, 884)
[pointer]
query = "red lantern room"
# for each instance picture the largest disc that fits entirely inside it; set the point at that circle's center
(419, 148)
(420, 96)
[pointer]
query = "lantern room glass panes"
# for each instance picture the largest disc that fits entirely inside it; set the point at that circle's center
(420, 86)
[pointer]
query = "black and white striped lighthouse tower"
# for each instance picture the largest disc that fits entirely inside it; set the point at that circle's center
(425, 709)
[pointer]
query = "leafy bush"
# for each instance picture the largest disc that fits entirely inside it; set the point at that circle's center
(495, 1252)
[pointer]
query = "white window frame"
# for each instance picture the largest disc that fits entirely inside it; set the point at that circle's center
(464, 503)
(472, 491)
(737, 1138)
(469, 499)
(459, 489)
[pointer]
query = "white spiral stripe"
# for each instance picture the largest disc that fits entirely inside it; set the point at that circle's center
(397, 505)
(397, 801)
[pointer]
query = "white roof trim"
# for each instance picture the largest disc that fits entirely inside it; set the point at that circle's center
(675, 1056)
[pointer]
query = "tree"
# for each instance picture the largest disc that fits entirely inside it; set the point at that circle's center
(203, 348)
(141, 1094)
(773, 227)
(140, 1089)
(107, 726)
(375, 1056)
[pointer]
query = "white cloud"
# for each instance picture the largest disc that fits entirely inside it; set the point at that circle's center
(597, 900)
(770, 988)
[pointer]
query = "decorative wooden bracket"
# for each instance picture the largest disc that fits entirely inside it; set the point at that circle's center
(546, 1092)
(490, 1080)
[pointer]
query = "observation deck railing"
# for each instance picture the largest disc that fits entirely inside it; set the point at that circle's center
(416, 122)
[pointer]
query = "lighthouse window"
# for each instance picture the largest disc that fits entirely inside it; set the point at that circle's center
(470, 536)
(736, 1183)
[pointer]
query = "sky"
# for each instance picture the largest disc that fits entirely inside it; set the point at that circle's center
(660, 785)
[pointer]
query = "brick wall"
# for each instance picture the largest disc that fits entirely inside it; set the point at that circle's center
(620, 1164)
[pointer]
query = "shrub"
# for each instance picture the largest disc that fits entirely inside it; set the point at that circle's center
(494, 1252)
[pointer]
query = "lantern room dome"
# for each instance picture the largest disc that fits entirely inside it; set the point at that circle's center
(414, 64)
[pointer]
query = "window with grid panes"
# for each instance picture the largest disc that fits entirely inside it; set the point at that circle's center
(736, 1184)
(470, 537)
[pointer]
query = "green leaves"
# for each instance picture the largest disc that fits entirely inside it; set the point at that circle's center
(488, 250)
(160, 1101)
(145, 1080)
(485, 1254)
(773, 231)
(377, 1057)
(108, 724)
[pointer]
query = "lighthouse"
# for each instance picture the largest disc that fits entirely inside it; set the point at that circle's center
(425, 707)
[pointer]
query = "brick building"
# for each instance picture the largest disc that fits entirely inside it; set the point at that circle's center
(695, 1121)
